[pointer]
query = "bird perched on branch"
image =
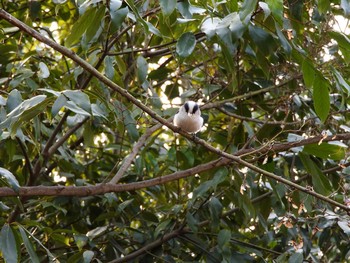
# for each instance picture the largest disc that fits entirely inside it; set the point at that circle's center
(189, 117)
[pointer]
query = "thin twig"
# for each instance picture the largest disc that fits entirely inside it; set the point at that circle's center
(135, 150)
(218, 104)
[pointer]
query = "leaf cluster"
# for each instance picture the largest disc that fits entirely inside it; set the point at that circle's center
(264, 73)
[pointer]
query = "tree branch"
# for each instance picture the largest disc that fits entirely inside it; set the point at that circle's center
(108, 187)
(218, 104)
(129, 159)
(149, 246)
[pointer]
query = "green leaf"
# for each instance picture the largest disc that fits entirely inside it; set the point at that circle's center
(75, 108)
(8, 244)
(163, 227)
(10, 178)
(88, 256)
(115, 4)
(153, 29)
(79, 98)
(209, 26)
(224, 238)
(265, 7)
(308, 73)
(236, 26)
(58, 104)
(96, 232)
(276, 7)
(118, 16)
(296, 258)
(215, 209)
(285, 44)
(142, 69)
(248, 7)
(13, 100)
(80, 27)
(28, 113)
(326, 151)
(81, 241)
(167, 6)
(95, 26)
(88, 135)
(139, 19)
(203, 188)
(192, 222)
(323, 6)
(344, 225)
(186, 44)
(29, 246)
(21, 108)
(341, 81)
(321, 97)
(109, 67)
(320, 182)
(99, 111)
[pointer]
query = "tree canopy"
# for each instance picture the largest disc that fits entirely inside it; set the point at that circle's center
(92, 168)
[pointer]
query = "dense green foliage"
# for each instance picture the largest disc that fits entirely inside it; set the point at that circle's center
(266, 74)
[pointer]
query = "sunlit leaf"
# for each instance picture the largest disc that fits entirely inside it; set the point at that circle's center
(44, 70)
(326, 151)
(209, 26)
(265, 7)
(94, 233)
(345, 5)
(344, 225)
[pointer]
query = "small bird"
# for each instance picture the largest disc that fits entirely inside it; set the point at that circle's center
(189, 117)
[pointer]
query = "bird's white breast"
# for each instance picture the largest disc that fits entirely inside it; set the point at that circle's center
(188, 123)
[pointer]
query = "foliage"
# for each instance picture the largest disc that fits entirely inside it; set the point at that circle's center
(270, 76)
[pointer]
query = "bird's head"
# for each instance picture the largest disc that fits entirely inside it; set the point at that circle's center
(191, 108)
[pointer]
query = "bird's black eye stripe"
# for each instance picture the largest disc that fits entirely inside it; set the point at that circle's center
(195, 108)
(187, 108)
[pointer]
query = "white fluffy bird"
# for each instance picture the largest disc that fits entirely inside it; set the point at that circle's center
(189, 117)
